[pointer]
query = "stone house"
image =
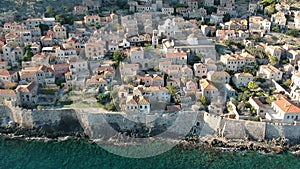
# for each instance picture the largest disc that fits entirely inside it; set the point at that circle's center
(260, 108)
(167, 10)
(33, 22)
(91, 19)
(175, 82)
(95, 50)
(179, 58)
(235, 24)
(41, 75)
(225, 35)
(12, 54)
(27, 94)
(258, 25)
(137, 104)
(270, 72)
(78, 67)
(59, 70)
(279, 19)
(3, 65)
(41, 59)
(209, 90)
(274, 51)
(96, 81)
(164, 66)
(155, 93)
(8, 76)
(7, 95)
(218, 77)
(186, 73)
(293, 55)
(242, 79)
(63, 54)
(233, 62)
(286, 110)
(47, 41)
(200, 70)
(80, 10)
(60, 31)
(127, 69)
(152, 80)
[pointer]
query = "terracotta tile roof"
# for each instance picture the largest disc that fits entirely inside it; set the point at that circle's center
(258, 102)
(158, 77)
(132, 101)
(220, 73)
(138, 100)
(174, 108)
(155, 88)
(27, 88)
(10, 84)
(56, 66)
(177, 54)
(4, 72)
(104, 68)
(3, 63)
(243, 75)
(27, 74)
(207, 85)
(287, 106)
(7, 92)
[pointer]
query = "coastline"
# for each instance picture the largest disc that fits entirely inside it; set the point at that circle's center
(275, 146)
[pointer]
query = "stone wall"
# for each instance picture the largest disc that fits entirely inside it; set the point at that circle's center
(290, 132)
(98, 123)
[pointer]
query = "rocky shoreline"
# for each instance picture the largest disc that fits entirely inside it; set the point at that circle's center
(43, 133)
(275, 146)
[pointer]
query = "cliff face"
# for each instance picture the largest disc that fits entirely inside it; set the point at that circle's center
(99, 124)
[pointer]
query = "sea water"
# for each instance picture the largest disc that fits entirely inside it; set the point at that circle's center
(83, 154)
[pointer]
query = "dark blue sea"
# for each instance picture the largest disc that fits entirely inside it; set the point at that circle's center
(22, 154)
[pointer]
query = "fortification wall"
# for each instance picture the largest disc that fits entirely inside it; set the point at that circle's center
(98, 123)
(290, 132)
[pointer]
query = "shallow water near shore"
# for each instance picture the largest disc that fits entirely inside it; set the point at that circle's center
(16, 153)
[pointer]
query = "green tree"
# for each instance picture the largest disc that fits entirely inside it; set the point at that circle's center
(110, 106)
(102, 98)
(227, 42)
(270, 99)
(58, 82)
(288, 82)
(28, 54)
(203, 100)
(49, 12)
(267, 2)
(156, 69)
(171, 89)
(292, 32)
(199, 23)
(276, 28)
(273, 60)
(39, 107)
(252, 85)
(118, 56)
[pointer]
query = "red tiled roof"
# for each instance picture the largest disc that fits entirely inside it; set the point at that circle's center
(287, 105)
(7, 92)
(4, 72)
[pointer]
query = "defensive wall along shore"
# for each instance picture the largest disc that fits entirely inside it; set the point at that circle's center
(98, 123)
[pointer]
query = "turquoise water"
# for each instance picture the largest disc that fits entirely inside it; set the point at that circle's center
(81, 154)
